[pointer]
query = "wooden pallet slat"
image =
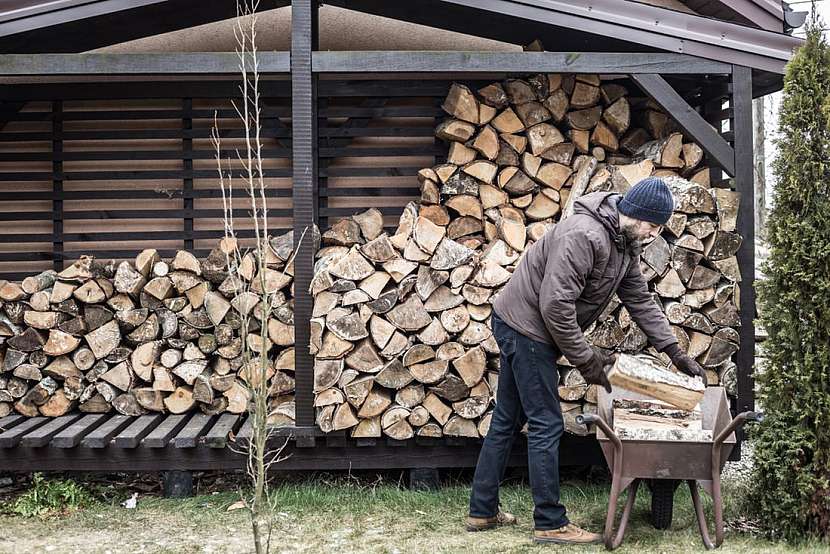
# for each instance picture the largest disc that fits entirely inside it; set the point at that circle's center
(208, 89)
(137, 430)
(345, 192)
(10, 421)
(244, 434)
(379, 151)
(43, 434)
(12, 437)
(165, 431)
(134, 194)
(136, 214)
(138, 134)
(128, 175)
(329, 132)
(131, 155)
(71, 436)
(385, 111)
(126, 235)
(102, 436)
(189, 436)
(217, 436)
(400, 171)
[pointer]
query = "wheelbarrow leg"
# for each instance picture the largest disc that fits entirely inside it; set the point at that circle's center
(717, 497)
(701, 516)
(612, 540)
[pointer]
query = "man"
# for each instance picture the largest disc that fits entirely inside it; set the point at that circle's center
(560, 287)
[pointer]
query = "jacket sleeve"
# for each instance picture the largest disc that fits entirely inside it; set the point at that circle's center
(566, 271)
(633, 292)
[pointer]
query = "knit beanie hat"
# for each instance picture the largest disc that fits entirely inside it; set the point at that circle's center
(649, 200)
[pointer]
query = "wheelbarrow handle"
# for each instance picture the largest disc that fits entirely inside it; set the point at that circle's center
(757, 417)
(583, 419)
(739, 420)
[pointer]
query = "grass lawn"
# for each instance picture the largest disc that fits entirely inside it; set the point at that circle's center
(343, 514)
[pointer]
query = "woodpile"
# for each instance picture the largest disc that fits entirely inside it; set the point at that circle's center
(400, 327)
(645, 420)
(401, 320)
(148, 335)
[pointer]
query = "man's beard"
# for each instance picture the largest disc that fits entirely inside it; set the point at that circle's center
(633, 239)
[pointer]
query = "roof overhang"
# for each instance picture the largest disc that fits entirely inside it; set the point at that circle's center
(562, 25)
(653, 26)
(81, 25)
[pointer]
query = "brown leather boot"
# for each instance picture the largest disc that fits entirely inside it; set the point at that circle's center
(484, 523)
(567, 534)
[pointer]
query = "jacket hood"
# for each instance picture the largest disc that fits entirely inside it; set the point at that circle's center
(602, 206)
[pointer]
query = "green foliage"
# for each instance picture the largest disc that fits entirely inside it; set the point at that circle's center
(792, 480)
(47, 497)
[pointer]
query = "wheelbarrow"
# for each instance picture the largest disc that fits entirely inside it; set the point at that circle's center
(666, 462)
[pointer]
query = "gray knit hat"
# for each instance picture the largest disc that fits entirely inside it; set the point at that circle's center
(649, 200)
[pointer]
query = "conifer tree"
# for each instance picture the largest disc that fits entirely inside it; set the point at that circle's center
(792, 475)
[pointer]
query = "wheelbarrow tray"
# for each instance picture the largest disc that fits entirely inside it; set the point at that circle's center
(697, 462)
(664, 459)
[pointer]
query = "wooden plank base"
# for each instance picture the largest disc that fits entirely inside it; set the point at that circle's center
(91, 443)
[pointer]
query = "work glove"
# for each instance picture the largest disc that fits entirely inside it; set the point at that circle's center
(593, 371)
(685, 363)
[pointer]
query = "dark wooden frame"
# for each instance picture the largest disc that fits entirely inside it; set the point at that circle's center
(306, 64)
(741, 103)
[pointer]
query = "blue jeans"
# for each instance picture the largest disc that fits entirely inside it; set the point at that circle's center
(527, 391)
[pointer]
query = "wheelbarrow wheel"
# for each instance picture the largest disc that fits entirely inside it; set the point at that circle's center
(662, 502)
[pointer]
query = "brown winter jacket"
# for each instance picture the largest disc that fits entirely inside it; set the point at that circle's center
(566, 279)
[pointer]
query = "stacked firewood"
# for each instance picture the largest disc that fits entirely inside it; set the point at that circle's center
(401, 330)
(148, 335)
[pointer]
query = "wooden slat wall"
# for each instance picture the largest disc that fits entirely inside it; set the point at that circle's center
(111, 170)
(374, 136)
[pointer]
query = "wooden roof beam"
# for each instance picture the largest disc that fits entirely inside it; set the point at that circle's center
(515, 62)
(688, 119)
(149, 63)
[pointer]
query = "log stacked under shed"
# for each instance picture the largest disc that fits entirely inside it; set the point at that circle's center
(400, 329)
(148, 335)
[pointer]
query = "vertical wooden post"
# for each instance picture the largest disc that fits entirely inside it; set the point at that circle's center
(304, 154)
(57, 185)
(187, 166)
(744, 184)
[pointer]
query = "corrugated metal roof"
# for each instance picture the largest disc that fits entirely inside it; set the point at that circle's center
(658, 27)
(765, 14)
